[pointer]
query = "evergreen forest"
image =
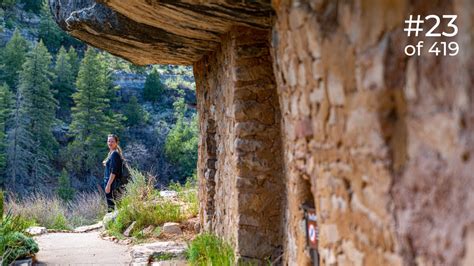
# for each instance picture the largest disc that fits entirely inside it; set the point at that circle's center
(59, 99)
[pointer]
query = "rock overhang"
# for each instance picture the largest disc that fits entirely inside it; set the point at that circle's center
(158, 32)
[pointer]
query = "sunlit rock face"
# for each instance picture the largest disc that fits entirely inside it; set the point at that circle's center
(166, 32)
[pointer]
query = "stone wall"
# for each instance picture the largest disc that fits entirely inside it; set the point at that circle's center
(382, 142)
(240, 168)
(216, 167)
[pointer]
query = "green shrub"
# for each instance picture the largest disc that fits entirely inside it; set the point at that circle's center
(17, 246)
(141, 203)
(13, 243)
(60, 222)
(14, 223)
(207, 249)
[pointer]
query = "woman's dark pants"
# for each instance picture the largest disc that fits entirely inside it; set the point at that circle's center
(111, 197)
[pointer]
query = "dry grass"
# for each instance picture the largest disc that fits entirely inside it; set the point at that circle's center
(188, 195)
(49, 212)
(53, 213)
(87, 208)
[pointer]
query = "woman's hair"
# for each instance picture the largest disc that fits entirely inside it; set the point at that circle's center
(119, 150)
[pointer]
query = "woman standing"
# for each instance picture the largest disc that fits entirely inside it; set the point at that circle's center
(113, 171)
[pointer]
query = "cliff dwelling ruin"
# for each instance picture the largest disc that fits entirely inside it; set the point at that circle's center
(314, 103)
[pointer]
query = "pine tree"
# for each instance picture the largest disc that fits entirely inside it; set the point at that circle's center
(182, 142)
(7, 3)
(37, 108)
(49, 31)
(12, 59)
(138, 69)
(19, 140)
(73, 61)
(63, 85)
(32, 5)
(115, 104)
(2, 200)
(111, 91)
(153, 87)
(65, 190)
(134, 113)
(90, 121)
(5, 110)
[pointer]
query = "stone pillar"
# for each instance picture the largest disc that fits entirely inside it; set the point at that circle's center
(240, 170)
(257, 144)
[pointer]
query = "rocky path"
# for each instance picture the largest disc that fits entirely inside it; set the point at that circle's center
(80, 249)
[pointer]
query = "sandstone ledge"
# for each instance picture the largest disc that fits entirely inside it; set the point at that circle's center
(165, 32)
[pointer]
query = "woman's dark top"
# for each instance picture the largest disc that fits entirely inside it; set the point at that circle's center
(113, 165)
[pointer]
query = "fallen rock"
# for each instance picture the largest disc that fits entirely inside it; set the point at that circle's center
(197, 228)
(22, 262)
(88, 228)
(172, 229)
(36, 230)
(129, 229)
(192, 224)
(109, 217)
(170, 263)
(168, 194)
(127, 241)
(148, 230)
(144, 252)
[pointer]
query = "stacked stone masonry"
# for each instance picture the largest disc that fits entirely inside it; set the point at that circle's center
(315, 102)
(384, 140)
(248, 137)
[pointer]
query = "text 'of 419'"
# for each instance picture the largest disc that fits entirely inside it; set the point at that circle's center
(442, 48)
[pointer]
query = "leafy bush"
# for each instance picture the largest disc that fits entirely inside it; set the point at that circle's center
(142, 204)
(60, 222)
(14, 223)
(18, 246)
(207, 249)
(13, 243)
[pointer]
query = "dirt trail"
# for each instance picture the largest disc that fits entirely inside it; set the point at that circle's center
(80, 249)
